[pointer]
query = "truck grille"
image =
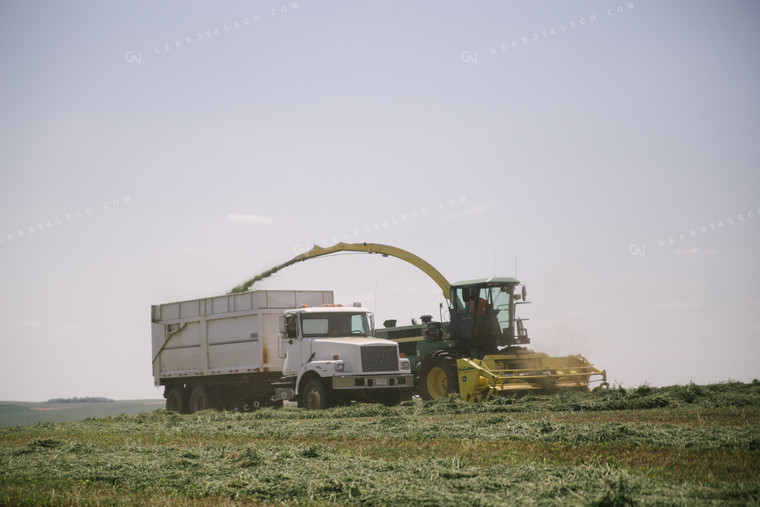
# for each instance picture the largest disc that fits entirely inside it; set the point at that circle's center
(382, 358)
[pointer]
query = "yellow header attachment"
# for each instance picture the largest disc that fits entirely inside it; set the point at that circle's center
(521, 371)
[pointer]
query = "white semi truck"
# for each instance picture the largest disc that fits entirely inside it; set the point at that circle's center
(241, 351)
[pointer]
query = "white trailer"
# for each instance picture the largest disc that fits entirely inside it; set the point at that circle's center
(240, 351)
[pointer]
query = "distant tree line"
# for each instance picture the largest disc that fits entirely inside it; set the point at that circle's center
(88, 399)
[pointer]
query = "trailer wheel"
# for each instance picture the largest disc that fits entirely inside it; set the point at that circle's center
(199, 399)
(315, 395)
(438, 376)
(175, 400)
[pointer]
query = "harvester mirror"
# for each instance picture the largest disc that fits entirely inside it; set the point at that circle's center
(522, 333)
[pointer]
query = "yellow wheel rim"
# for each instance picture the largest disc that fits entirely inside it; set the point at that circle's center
(437, 383)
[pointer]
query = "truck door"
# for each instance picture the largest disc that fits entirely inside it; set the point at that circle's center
(313, 326)
(292, 346)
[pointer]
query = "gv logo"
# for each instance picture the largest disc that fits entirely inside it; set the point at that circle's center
(468, 57)
(634, 249)
(130, 57)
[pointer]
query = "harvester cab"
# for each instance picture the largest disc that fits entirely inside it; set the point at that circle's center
(482, 314)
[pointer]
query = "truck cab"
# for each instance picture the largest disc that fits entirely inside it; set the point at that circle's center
(330, 356)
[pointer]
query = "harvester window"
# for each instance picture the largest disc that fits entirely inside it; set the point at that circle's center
(461, 299)
(480, 301)
(492, 317)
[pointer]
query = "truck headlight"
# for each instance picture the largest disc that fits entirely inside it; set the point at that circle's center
(340, 366)
(403, 364)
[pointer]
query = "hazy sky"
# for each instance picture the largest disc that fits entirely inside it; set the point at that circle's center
(155, 152)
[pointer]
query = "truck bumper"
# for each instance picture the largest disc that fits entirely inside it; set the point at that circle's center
(286, 390)
(402, 381)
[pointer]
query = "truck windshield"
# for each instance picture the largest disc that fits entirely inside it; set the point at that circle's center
(334, 324)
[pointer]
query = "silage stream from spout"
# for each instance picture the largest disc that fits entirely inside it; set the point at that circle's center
(266, 274)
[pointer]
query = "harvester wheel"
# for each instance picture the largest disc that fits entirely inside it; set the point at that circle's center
(438, 376)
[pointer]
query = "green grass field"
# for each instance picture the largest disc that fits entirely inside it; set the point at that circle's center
(682, 445)
(13, 413)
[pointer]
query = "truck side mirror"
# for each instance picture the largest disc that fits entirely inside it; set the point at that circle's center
(283, 325)
(524, 293)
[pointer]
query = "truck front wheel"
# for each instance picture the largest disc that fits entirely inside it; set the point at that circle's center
(315, 395)
(199, 399)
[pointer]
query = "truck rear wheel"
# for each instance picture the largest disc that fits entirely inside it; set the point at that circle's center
(315, 395)
(199, 399)
(438, 376)
(175, 400)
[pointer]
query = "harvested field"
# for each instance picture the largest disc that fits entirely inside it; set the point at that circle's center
(681, 445)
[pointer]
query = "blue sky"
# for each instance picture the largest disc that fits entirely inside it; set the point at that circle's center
(575, 137)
